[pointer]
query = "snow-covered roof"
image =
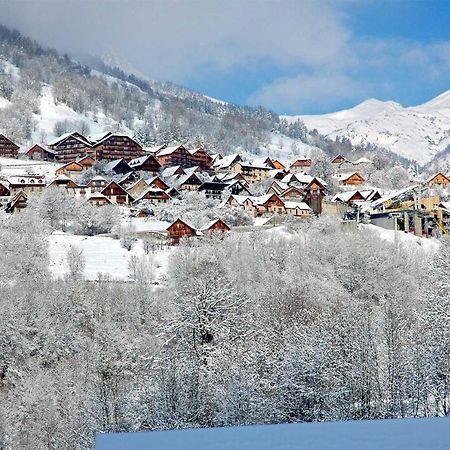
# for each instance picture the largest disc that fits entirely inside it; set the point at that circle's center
(300, 205)
(345, 176)
(170, 171)
(169, 150)
(153, 150)
(26, 180)
(98, 178)
(393, 195)
(362, 161)
(191, 170)
(139, 161)
(226, 161)
(445, 205)
(112, 164)
(344, 196)
(208, 225)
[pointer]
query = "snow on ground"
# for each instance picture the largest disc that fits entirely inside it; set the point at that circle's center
(281, 147)
(12, 166)
(4, 102)
(50, 113)
(103, 255)
(390, 434)
(429, 245)
(140, 225)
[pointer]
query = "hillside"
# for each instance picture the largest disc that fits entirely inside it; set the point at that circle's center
(419, 133)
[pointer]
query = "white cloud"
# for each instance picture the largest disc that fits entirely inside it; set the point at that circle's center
(175, 39)
(293, 94)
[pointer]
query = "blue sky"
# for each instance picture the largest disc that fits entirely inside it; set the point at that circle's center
(292, 56)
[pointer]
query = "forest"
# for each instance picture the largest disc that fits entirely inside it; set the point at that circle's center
(309, 322)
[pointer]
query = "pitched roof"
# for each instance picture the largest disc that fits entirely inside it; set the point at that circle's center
(170, 171)
(289, 204)
(169, 150)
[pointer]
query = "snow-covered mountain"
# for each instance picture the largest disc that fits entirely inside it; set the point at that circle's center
(418, 133)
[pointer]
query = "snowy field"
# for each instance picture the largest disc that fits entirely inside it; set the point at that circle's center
(428, 245)
(103, 255)
(12, 166)
(395, 434)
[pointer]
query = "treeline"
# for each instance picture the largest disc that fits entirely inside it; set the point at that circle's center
(313, 323)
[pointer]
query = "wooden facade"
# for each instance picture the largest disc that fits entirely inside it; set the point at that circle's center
(39, 153)
(178, 230)
(8, 148)
(314, 195)
(72, 169)
(98, 199)
(353, 179)
(154, 195)
(115, 146)
(213, 189)
(301, 165)
(439, 179)
(147, 163)
(175, 156)
(117, 194)
(30, 184)
(199, 157)
(158, 183)
(17, 203)
(216, 226)
(71, 147)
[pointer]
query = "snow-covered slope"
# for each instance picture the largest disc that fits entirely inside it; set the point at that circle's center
(417, 133)
(50, 113)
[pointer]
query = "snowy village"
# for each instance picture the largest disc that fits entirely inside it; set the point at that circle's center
(231, 236)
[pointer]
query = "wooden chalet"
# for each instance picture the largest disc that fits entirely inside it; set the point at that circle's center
(153, 195)
(8, 148)
(301, 165)
(278, 164)
(199, 157)
(293, 192)
(63, 181)
(216, 226)
(237, 187)
(158, 183)
(339, 159)
(29, 184)
(213, 189)
(117, 166)
(71, 169)
(188, 182)
(4, 189)
(86, 161)
(114, 146)
(178, 230)
(146, 163)
(297, 209)
(270, 203)
(349, 197)
(97, 184)
(439, 179)
(175, 156)
(117, 194)
(129, 179)
(39, 153)
(253, 173)
(17, 203)
(314, 193)
(98, 199)
(226, 162)
(70, 147)
(350, 179)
